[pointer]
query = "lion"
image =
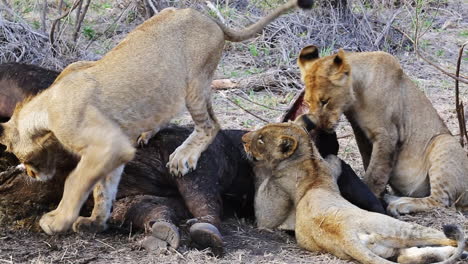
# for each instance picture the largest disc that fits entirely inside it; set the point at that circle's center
(97, 110)
(401, 138)
(323, 220)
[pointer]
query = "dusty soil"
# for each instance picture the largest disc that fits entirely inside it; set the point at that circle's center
(244, 243)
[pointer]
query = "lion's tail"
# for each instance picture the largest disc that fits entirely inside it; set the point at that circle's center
(252, 30)
(456, 233)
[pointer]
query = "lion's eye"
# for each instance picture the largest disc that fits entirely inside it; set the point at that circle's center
(260, 141)
(324, 101)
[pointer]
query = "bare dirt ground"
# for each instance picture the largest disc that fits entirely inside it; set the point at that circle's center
(244, 243)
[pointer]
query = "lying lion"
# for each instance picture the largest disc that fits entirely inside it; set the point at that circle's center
(97, 110)
(326, 222)
(402, 139)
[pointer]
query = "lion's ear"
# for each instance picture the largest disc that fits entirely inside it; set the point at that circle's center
(340, 68)
(339, 57)
(287, 146)
(308, 54)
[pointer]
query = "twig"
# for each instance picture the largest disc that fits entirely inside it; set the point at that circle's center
(60, 6)
(346, 136)
(105, 244)
(459, 105)
(54, 24)
(262, 105)
(241, 107)
(44, 16)
(451, 75)
(386, 28)
(7, 261)
(417, 36)
(109, 27)
(17, 17)
(177, 252)
(216, 10)
(416, 48)
(151, 4)
(23, 51)
(77, 21)
(80, 15)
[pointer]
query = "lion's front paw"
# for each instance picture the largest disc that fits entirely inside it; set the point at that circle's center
(398, 205)
(88, 225)
(54, 223)
(182, 161)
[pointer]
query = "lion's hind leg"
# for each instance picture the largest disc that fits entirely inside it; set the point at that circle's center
(198, 101)
(448, 177)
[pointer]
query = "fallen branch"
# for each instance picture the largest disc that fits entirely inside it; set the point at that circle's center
(243, 108)
(451, 75)
(259, 104)
(461, 78)
(271, 79)
(216, 10)
(386, 28)
(151, 4)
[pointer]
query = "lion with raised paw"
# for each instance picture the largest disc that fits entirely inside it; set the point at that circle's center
(98, 110)
(401, 138)
(325, 221)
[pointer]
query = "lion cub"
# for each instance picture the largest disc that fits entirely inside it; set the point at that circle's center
(97, 110)
(402, 139)
(325, 221)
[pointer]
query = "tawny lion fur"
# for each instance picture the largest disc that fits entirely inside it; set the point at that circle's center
(325, 221)
(97, 110)
(402, 139)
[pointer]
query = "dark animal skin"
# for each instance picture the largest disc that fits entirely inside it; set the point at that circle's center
(149, 197)
(18, 81)
(352, 188)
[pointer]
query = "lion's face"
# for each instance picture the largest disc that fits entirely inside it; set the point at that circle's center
(37, 155)
(272, 143)
(328, 89)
